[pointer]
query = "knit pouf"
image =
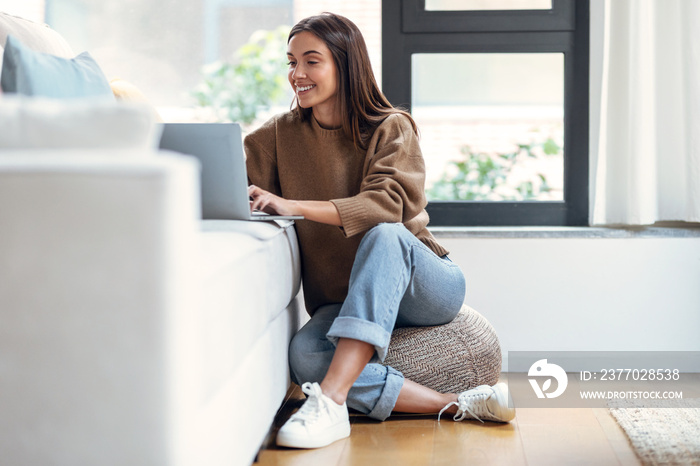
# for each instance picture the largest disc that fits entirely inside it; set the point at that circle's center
(448, 358)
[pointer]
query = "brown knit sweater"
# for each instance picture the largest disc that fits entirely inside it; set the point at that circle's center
(302, 161)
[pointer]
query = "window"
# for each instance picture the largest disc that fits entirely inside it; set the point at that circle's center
(499, 90)
(466, 5)
(166, 51)
(183, 57)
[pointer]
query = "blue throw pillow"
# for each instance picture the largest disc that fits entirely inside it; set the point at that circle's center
(25, 71)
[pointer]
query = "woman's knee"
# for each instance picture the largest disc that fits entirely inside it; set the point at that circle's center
(384, 235)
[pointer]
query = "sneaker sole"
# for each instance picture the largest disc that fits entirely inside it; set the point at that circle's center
(286, 439)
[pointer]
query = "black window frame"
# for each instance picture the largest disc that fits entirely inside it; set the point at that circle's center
(408, 28)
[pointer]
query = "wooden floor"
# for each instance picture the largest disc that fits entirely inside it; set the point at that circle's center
(586, 436)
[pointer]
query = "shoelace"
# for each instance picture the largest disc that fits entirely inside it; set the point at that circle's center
(463, 403)
(311, 409)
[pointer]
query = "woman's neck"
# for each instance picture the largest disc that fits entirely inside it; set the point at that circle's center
(327, 118)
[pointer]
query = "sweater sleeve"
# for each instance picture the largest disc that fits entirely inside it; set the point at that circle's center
(392, 188)
(261, 157)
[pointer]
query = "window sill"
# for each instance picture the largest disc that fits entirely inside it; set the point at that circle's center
(689, 230)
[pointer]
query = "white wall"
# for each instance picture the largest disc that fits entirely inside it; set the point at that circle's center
(29, 9)
(585, 294)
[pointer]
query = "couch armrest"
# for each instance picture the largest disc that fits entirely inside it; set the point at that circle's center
(97, 282)
(36, 36)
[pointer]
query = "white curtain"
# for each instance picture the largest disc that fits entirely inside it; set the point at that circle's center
(645, 111)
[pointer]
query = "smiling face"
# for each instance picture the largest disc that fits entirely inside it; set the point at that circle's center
(314, 77)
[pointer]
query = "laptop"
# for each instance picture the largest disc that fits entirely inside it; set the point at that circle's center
(224, 181)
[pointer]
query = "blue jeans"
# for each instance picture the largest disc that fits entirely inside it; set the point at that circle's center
(396, 281)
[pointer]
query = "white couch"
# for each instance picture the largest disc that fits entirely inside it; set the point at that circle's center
(132, 332)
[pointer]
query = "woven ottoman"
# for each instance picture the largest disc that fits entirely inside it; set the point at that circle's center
(448, 358)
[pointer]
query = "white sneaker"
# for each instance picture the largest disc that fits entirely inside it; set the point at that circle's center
(319, 422)
(484, 402)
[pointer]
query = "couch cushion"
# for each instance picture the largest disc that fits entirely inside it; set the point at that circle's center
(25, 71)
(250, 273)
(36, 36)
(36, 123)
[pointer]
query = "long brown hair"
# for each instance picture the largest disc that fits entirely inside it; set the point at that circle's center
(361, 104)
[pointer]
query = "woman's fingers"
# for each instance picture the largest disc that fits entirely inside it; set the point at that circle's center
(260, 198)
(268, 202)
(254, 193)
(260, 202)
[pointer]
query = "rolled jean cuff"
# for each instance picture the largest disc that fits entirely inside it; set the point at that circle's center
(358, 329)
(387, 400)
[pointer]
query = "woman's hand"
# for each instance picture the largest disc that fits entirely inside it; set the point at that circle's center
(265, 201)
(317, 211)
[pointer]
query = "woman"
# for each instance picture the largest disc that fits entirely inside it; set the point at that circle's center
(350, 163)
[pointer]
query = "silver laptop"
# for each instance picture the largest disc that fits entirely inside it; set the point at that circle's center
(224, 181)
